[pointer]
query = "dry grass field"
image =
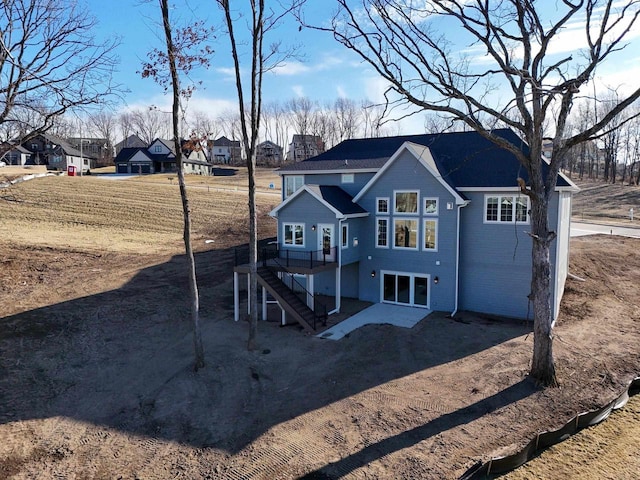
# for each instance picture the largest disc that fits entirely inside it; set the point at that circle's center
(95, 359)
(126, 215)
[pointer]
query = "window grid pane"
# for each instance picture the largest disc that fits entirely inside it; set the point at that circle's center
(521, 209)
(492, 209)
(383, 205)
(382, 232)
(506, 209)
(430, 234)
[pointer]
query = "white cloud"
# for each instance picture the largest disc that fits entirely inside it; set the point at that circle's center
(291, 68)
(229, 72)
(374, 88)
(341, 92)
(298, 90)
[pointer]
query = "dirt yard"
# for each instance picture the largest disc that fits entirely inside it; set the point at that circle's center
(96, 378)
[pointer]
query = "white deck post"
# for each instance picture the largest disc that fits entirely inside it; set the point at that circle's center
(264, 304)
(236, 297)
(283, 318)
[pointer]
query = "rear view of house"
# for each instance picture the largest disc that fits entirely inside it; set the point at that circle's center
(430, 221)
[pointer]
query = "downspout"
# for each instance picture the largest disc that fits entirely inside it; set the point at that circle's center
(339, 269)
(455, 306)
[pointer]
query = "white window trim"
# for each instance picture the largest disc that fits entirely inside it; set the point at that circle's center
(378, 212)
(403, 219)
(417, 212)
(424, 206)
(386, 219)
(348, 178)
(292, 178)
(424, 234)
(513, 215)
(344, 241)
(293, 245)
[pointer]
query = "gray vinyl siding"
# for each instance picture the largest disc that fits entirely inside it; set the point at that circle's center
(359, 181)
(495, 261)
(308, 210)
(407, 173)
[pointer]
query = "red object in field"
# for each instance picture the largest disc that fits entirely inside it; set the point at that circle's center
(71, 170)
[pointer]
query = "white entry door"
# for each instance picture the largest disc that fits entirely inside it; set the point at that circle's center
(326, 243)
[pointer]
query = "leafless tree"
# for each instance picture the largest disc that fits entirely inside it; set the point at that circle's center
(186, 48)
(260, 22)
(151, 123)
(50, 63)
(104, 124)
(276, 123)
(324, 125)
(403, 41)
(347, 121)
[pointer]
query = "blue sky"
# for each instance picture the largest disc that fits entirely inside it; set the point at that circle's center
(327, 70)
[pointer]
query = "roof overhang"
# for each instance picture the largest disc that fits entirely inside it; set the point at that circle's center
(324, 172)
(312, 191)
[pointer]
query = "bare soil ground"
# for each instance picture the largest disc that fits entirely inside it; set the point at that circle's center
(96, 377)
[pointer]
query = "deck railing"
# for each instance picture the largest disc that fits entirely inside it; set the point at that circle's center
(319, 308)
(298, 258)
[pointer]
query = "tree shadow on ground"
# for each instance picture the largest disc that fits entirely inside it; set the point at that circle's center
(409, 438)
(123, 359)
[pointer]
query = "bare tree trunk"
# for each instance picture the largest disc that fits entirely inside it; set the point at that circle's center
(542, 364)
(193, 285)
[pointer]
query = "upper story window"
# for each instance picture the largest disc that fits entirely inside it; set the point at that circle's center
(292, 183)
(506, 209)
(430, 235)
(347, 178)
(430, 206)
(405, 233)
(405, 201)
(382, 205)
(157, 148)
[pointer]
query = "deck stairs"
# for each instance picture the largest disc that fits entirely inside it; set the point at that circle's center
(287, 299)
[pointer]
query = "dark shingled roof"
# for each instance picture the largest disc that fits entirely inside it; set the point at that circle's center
(465, 159)
(337, 198)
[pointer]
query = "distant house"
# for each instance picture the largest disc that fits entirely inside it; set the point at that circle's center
(96, 148)
(430, 221)
(226, 152)
(56, 153)
(132, 141)
(160, 157)
(269, 154)
(14, 154)
(303, 147)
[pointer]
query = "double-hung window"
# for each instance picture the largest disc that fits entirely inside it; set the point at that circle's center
(294, 234)
(506, 209)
